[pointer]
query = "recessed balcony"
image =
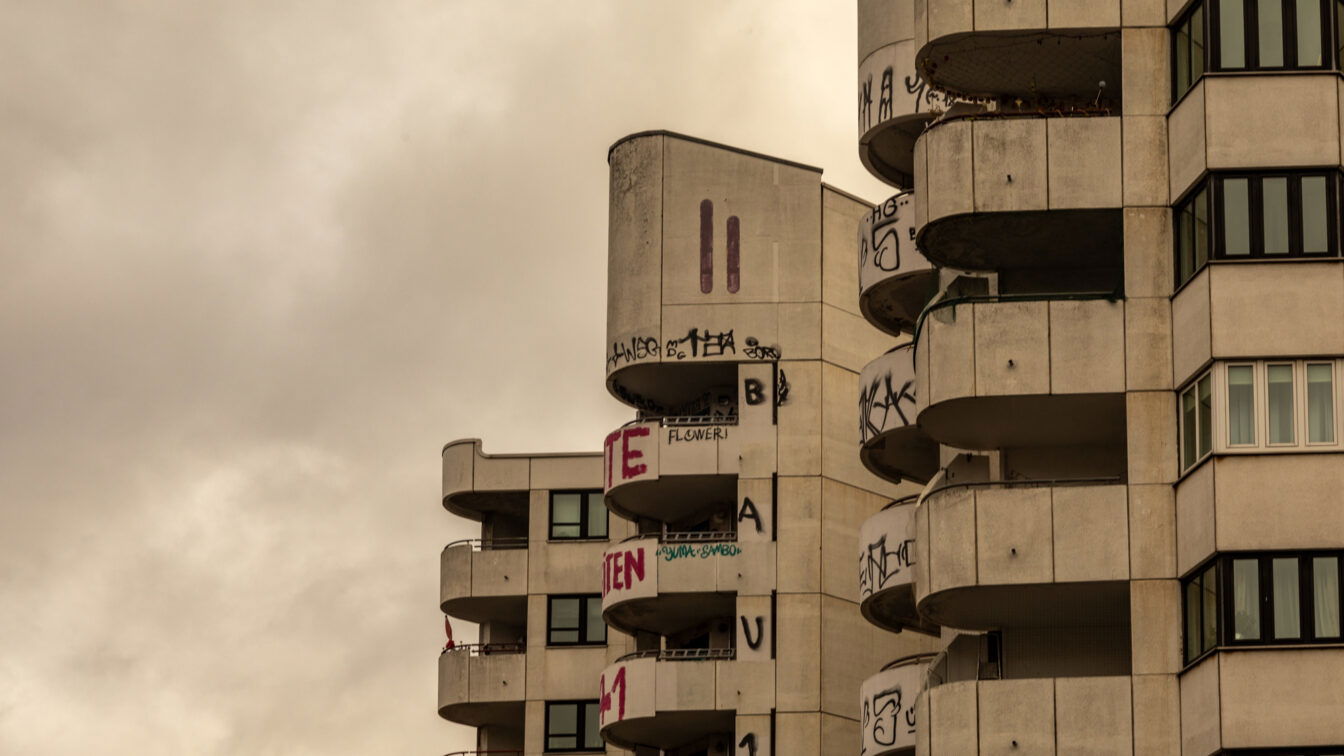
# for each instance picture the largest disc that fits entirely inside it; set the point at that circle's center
(1023, 554)
(1055, 50)
(895, 279)
(669, 699)
(667, 584)
(886, 569)
(671, 469)
(483, 580)
(1022, 191)
(891, 445)
(1042, 715)
(483, 684)
(1023, 371)
(888, 707)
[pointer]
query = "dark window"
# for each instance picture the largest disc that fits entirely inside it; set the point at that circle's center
(1249, 35)
(575, 621)
(1260, 216)
(572, 726)
(578, 514)
(1196, 421)
(1270, 599)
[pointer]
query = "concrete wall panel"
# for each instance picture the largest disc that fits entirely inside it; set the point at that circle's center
(1085, 167)
(1010, 161)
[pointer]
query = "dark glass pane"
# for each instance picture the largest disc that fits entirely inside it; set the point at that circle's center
(1205, 415)
(1182, 59)
(1231, 34)
(595, 630)
(1275, 192)
(597, 516)
(1287, 607)
(592, 737)
(1201, 228)
(1236, 217)
(1240, 404)
(1185, 243)
(1270, 33)
(563, 636)
(1246, 599)
(1197, 43)
(563, 719)
(1192, 609)
(1280, 404)
(1208, 589)
(1321, 403)
(566, 508)
(565, 612)
(561, 742)
(1315, 211)
(1309, 23)
(1325, 595)
(1188, 428)
(565, 531)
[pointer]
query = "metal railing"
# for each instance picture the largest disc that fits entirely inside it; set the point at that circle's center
(687, 536)
(682, 654)
(1029, 483)
(484, 649)
(905, 661)
(1085, 296)
(500, 751)
(903, 500)
(684, 420)
(491, 544)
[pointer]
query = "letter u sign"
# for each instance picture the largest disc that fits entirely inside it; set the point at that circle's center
(707, 250)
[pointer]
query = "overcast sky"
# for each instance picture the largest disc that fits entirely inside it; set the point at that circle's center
(259, 260)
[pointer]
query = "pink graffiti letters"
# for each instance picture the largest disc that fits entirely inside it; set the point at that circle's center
(622, 570)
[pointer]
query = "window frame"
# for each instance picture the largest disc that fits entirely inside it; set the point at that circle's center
(1225, 609)
(1227, 403)
(1204, 447)
(582, 628)
(1213, 43)
(584, 523)
(580, 727)
(1305, 378)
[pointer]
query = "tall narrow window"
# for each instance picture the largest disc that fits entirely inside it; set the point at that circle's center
(1231, 34)
(1205, 415)
(1321, 403)
(1192, 235)
(1192, 615)
(1309, 16)
(1209, 591)
(1246, 599)
(1275, 222)
(1315, 215)
(1236, 212)
(1270, 33)
(1240, 405)
(1280, 404)
(1189, 436)
(1287, 607)
(1325, 596)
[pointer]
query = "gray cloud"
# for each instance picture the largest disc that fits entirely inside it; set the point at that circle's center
(259, 261)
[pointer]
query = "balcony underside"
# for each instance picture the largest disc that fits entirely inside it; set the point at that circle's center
(888, 150)
(1039, 239)
(901, 454)
(1041, 64)
(493, 713)
(672, 498)
(894, 609)
(509, 610)
(474, 505)
(989, 607)
(893, 305)
(667, 388)
(998, 422)
(672, 729)
(669, 613)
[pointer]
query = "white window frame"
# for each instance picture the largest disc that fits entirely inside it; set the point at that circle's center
(1260, 393)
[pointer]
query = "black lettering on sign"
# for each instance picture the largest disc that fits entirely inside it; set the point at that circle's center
(755, 391)
(748, 742)
(760, 632)
(749, 511)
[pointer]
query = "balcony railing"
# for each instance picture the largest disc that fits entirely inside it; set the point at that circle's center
(687, 536)
(937, 304)
(903, 500)
(484, 649)
(1025, 483)
(491, 544)
(496, 751)
(682, 654)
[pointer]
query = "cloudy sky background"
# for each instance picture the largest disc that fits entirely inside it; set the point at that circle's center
(259, 260)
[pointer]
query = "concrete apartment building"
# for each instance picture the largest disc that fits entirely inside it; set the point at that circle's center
(1091, 349)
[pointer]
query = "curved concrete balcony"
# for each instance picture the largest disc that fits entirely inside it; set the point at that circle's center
(1223, 701)
(895, 279)
(1042, 715)
(1037, 371)
(484, 580)
(1021, 191)
(668, 699)
(1023, 554)
(667, 585)
(886, 569)
(1236, 123)
(483, 684)
(894, 102)
(477, 485)
(1234, 310)
(891, 445)
(671, 468)
(888, 726)
(1048, 49)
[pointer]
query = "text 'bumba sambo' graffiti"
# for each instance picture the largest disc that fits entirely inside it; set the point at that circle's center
(622, 570)
(673, 552)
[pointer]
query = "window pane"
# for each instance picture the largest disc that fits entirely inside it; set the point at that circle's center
(597, 516)
(566, 508)
(1287, 608)
(1276, 214)
(564, 613)
(1188, 427)
(1201, 228)
(1315, 226)
(562, 725)
(596, 630)
(592, 737)
(1231, 34)
(1271, 33)
(1183, 77)
(1240, 404)
(1309, 32)
(1281, 404)
(1197, 43)
(1185, 243)
(1325, 580)
(1246, 599)
(1321, 404)
(1192, 608)
(1236, 217)
(1205, 415)
(1208, 590)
